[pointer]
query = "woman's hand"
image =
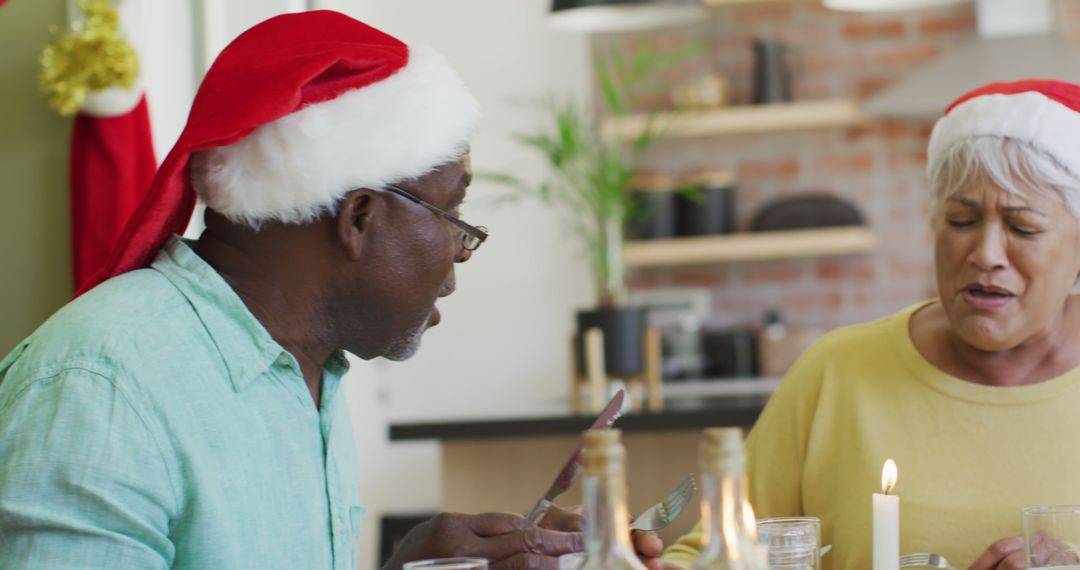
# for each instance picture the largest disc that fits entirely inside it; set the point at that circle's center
(1008, 553)
(1005, 554)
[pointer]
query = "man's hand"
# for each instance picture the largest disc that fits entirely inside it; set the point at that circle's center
(647, 545)
(508, 541)
(570, 519)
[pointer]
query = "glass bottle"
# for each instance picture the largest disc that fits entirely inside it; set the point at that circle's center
(728, 527)
(607, 518)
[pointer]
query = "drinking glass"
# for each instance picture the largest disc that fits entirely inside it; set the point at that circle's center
(447, 564)
(571, 561)
(792, 542)
(1052, 536)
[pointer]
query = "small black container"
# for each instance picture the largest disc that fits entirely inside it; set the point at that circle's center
(654, 208)
(772, 78)
(710, 206)
(624, 338)
(730, 353)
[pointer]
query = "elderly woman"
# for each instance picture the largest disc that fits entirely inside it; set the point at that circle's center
(976, 394)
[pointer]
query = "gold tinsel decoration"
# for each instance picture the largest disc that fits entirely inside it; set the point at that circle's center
(94, 58)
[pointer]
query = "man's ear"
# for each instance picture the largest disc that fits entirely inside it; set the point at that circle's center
(354, 216)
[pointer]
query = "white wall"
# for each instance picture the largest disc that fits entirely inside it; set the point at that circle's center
(162, 32)
(503, 344)
(177, 40)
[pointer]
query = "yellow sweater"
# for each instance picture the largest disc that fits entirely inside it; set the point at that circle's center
(969, 456)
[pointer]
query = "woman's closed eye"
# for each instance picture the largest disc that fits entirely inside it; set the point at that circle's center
(1026, 225)
(1025, 231)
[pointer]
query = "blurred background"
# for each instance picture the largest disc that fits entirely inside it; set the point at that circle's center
(778, 116)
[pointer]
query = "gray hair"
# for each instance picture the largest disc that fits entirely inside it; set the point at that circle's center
(1015, 166)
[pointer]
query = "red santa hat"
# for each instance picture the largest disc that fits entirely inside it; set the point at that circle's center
(1043, 113)
(299, 110)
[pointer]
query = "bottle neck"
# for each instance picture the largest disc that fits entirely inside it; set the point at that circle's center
(728, 527)
(607, 526)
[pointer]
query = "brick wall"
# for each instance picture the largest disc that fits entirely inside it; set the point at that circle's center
(879, 166)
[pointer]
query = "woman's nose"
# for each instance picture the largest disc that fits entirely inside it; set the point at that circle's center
(990, 249)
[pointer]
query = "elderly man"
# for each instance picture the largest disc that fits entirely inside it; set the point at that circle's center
(185, 412)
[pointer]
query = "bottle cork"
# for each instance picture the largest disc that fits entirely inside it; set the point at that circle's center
(604, 451)
(722, 451)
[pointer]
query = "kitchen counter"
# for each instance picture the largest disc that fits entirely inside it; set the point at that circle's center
(505, 463)
(741, 411)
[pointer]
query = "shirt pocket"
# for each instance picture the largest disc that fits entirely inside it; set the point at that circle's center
(356, 519)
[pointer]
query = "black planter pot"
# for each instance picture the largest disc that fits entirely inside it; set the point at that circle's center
(711, 213)
(624, 338)
(656, 216)
(654, 201)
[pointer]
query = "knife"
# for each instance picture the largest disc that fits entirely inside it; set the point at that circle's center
(568, 473)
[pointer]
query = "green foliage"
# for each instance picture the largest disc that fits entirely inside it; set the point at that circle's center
(590, 174)
(625, 75)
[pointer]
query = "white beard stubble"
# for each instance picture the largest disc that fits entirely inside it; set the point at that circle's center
(405, 346)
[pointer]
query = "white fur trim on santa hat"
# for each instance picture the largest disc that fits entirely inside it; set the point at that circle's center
(112, 102)
(297, 167)
(1029, 117)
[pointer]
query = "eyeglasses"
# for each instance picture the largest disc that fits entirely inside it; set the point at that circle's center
(471, 236)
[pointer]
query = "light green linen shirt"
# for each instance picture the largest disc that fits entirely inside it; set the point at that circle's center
(154, 423)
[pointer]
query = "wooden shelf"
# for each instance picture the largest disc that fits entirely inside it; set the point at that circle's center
(750, 247)
(775, 117)
(720, 387)
(722, 3)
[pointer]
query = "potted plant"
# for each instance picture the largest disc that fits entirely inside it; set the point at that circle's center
(588, 181)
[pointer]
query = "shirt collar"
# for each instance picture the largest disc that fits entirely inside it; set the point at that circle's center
(246, 347)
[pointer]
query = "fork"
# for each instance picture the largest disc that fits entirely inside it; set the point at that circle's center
(661, 514)
(924, 559)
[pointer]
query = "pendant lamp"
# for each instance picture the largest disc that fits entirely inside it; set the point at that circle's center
(623, 15)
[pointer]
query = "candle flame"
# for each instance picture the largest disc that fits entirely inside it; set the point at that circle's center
(888, 476)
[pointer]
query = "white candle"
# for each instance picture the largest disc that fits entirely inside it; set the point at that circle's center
(887, 522)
